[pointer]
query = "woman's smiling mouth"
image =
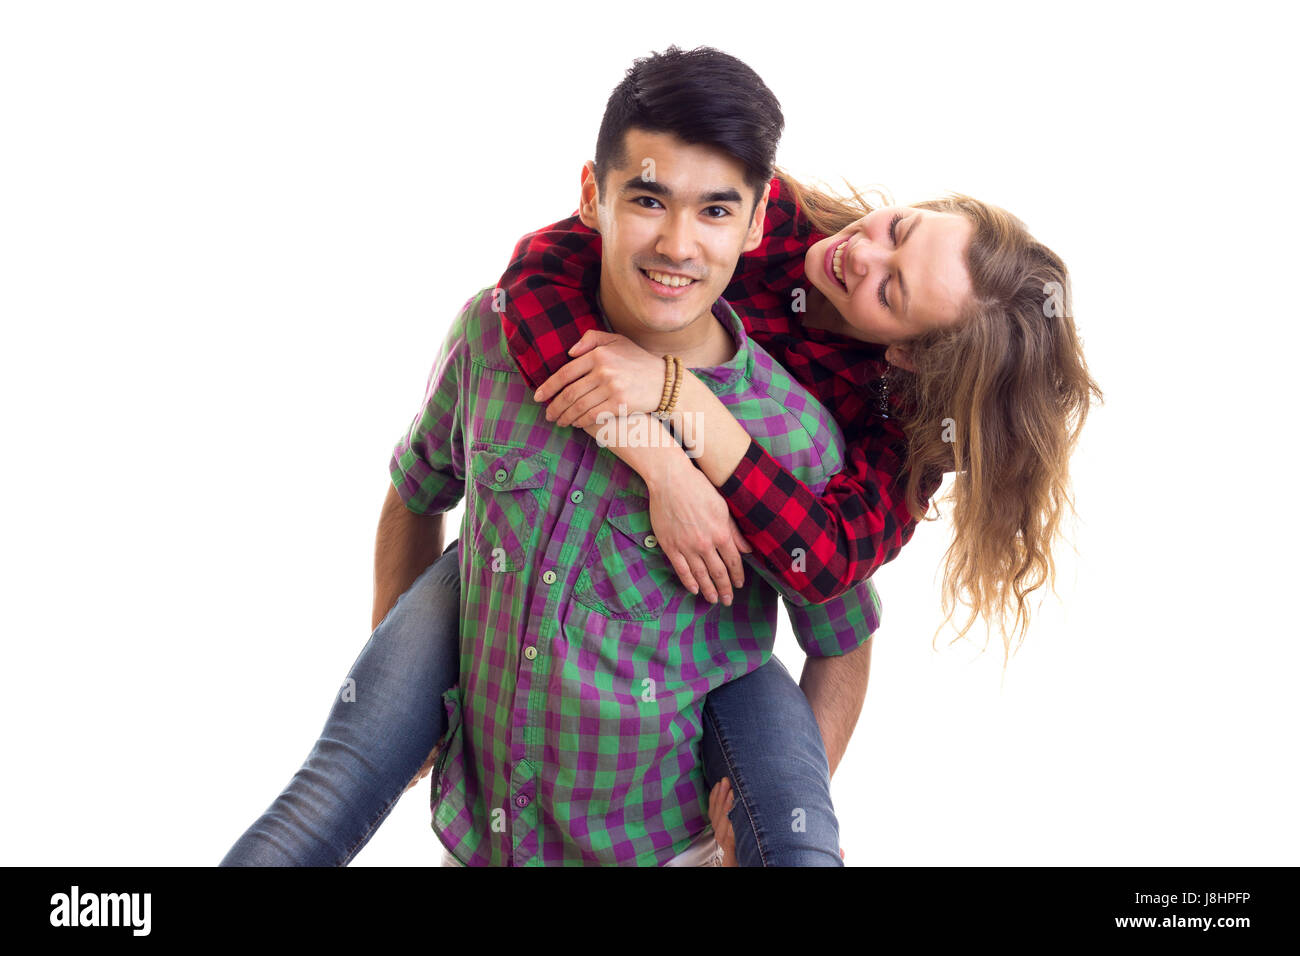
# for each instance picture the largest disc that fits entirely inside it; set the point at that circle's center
(835, 263)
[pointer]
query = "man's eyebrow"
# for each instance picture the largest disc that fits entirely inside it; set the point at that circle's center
(902, 286)
(646, 185)
(723, 194)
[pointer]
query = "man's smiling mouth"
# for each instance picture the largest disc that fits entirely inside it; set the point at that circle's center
(668, 279)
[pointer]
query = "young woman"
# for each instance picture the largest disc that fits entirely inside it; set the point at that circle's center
(993, 385)
(976, 368)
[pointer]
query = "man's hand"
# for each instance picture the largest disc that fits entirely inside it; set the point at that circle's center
(721, 800)
(607, 371)
(697, 533)
(424, 769)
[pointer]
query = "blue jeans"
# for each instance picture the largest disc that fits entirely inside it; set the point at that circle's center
(759, 732)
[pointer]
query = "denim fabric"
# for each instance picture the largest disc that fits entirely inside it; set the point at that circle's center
(372, 746)
(759, 731)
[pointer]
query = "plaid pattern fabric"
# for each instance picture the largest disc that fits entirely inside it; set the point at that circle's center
(819, 545)
(574, 731)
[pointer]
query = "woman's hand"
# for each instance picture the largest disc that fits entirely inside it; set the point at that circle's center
(690, 519)
(697, 532)
(607, 371)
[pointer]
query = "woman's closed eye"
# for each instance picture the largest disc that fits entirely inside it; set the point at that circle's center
(893, 237)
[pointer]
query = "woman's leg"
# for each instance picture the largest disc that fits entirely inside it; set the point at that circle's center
(760, 733)
(380, 731)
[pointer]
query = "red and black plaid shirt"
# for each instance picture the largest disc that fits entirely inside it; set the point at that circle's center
(861, 521)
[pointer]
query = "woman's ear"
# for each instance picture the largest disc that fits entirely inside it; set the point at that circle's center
(901, 356)
(589, 197)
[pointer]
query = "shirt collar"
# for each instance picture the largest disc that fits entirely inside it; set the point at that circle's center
(731, 374)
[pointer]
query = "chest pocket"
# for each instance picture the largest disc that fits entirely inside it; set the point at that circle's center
(626, 575)
(509, 484)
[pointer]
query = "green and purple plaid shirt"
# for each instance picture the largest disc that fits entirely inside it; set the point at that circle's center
(574, 733)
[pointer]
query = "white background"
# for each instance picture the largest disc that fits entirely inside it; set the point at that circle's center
(232, 236)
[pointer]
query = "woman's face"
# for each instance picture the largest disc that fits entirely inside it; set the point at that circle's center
(895, 273)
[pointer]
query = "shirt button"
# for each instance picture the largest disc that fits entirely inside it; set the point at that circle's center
(548, 576)
(530, 652)
(576, 497)
(650, 541)
(502, 475)
(521, 801)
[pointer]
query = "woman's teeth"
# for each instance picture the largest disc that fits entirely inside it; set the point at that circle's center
(837, 263)
(664, 279)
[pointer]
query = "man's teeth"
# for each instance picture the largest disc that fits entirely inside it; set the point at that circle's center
(664, 279)
(837, 263)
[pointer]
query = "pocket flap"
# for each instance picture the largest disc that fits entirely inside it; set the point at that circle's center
(631, 515)
(508, 467)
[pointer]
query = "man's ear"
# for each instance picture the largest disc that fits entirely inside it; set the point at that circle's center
(755, 234)
(900, 355)
(589, 197)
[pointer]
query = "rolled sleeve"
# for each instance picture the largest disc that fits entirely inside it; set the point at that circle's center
(839, 625)
(428, 463)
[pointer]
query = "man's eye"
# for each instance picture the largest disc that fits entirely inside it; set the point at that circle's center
(722, 211)
(641, 200)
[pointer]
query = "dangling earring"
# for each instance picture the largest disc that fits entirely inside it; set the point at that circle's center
(883, 390)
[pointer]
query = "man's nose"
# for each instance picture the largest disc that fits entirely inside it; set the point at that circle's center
(677, 239)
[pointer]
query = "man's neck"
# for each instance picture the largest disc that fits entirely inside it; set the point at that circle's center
(704, 343)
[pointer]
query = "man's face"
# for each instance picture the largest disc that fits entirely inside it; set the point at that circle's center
(673, 221)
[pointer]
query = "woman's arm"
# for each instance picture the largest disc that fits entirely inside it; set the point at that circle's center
(547, 296)
(547, 301)
(820, 545)
(830, 541)
(690, 519)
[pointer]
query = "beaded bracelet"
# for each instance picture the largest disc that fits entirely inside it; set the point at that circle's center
(669, 368)
(667, 404)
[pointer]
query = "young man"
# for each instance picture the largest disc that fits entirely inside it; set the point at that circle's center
(574, 733)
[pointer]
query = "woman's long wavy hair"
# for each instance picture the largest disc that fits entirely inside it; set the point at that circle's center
(1000, 398)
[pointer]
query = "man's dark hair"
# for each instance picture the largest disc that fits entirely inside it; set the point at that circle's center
(703, 97)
